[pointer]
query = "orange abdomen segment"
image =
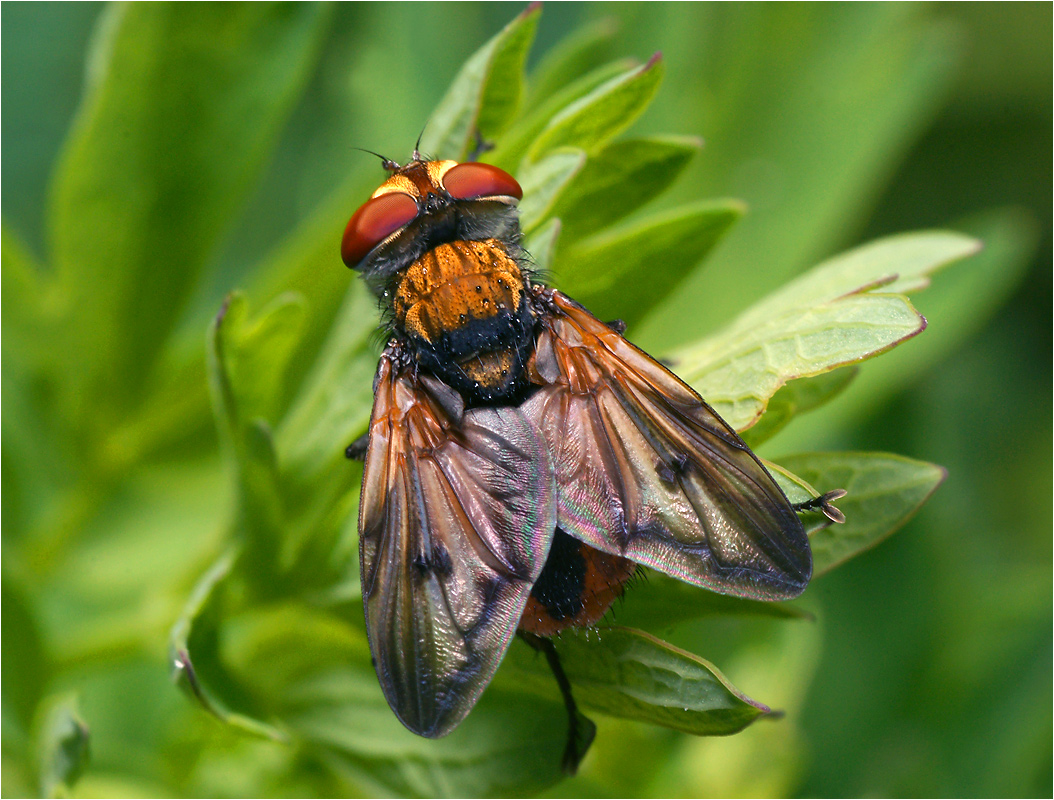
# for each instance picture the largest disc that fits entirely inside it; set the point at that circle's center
(576, 587)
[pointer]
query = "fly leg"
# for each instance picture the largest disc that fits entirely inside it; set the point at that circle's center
(823, 503)
(356, 451)
(481, 146)
(580, 729)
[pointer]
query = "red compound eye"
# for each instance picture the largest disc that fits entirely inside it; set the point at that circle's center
(471, 180)
(375, 221)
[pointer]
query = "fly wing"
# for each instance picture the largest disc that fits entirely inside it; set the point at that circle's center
(647, 470)
(456, 517)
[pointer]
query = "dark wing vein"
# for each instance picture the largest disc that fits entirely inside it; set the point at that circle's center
(455, 522)
(661, 479)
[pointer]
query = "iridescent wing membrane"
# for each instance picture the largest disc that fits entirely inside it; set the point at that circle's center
(646, 470)
(456, 517)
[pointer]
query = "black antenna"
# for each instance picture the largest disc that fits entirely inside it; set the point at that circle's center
(417, 147)
(387, 163)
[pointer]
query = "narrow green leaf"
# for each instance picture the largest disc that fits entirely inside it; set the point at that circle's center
(196, 631)
(504, 88)
(512, 148)
(894, 265)
(25, 666)
(836, 314)
(739, 379)
(618, 273)
(581, 51)
(810, 186)
(620, 179)
(335, 399)
(884, 491)
(246, 436)
(184, 106)
(630, 674)
(544, 181)
(797, 397)
(485, 93)
(61, 746)
(604, 113)
(541, 245)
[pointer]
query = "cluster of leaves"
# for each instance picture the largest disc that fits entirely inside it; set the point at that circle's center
(285, 596)
(100, 376)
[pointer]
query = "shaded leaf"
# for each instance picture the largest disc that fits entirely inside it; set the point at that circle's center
(485, 92)
(659, 602)
(61, 746)
(797, 397)
(544, 181)
(183, 107)
(884, 491)
(630, 674)
(578, 53)
(604, 113)
(313, 671)
(196, 631)
(512, 148)
(894, 265)
(620, 179)
(644, 261)
(247, 438)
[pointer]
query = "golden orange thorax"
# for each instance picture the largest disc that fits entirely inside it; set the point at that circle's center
(454, 284)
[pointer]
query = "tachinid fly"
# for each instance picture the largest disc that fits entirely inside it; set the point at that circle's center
(523, 458)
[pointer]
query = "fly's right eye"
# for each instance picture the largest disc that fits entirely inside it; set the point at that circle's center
(375, 221)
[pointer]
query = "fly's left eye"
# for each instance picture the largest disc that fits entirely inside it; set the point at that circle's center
(472, 180)
(375, 221)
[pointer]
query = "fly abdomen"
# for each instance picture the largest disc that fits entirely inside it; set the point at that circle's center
(463, 309)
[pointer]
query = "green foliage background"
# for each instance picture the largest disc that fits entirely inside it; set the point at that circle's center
(925, 667)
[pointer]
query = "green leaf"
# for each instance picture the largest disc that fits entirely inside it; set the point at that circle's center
(544, 181)
(894, 265)
(797, 397)
(738, 375)
(541, 245)
(246, 435)
(884, 491)
(61, 746)
(878, 73)
(485, 94)
(630, 674)
(621, 178)
(660, 602)
(183, 107)
(617, 274)
(836, 314)
(194, 644)
(335, 398)
(604, 113)
(578, 53)
(512, 148)
(313, 672)
(25, 667)
(960, 301)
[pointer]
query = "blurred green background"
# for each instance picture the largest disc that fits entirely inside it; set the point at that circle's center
(929, 668)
